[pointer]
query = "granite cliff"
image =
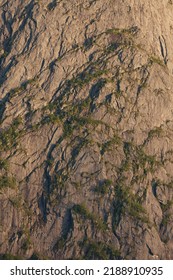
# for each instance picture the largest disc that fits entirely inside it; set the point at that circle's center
(86, 129)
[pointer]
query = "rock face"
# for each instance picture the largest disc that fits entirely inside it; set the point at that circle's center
(86, 111)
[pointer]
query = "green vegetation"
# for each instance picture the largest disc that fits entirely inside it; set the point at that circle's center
(8, 137)
(127, 202)
(85, 78)
(169, 185)
(81, 210)
(51, 118)
(7, 182)
(4, 164)
(103, 187)
(59, 245)
(68, 129)
(147, 162)
(167, 215)
(82, 142)
(26, 244)
(7, 256)
(59, 181)
(166, 219)
(75, 123)
(83, 121)
(16, 201)
(116, 31)
(26, 238)
(97, 250)
(155, 132)
(156, 60)
(22, 87)
(109, 145)
(138, 159)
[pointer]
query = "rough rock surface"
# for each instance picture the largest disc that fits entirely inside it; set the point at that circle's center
(86, 131)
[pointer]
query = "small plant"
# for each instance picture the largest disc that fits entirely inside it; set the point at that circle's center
(83, 211)
(127, 202)
(26, 244)
(7, 182)
(130, 31)
(51, 118)
(8, 256)
(166, 212)
(58, 183)
(155, 132)
(28, 82)
(59, 245)
(103, 187)
(8, 137)
(156, 60)
(108, 145)
(4, 164)
(16, 201)
(22, 87)
(136, 157)
(147, 162)
(99, 250)
(68, 129)
(85, 78)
